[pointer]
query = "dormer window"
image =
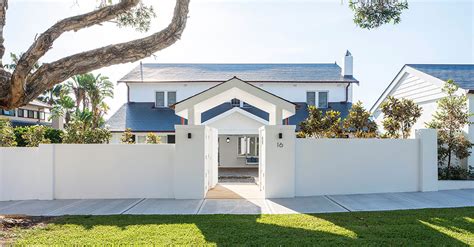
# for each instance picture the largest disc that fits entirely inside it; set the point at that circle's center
(311, 98)
(171, 98)
(160, 99)
(235, 103)
(322, 99)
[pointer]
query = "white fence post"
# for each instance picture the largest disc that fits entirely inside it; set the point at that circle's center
(279, 160)
(428, 159)
(189, 168)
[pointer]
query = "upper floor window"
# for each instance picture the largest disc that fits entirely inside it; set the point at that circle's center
(21, 112)
(159, 99)
(311, 98)
(31, 114)
(171, 98)
(322, 99)
(7, 112)
(235, 102)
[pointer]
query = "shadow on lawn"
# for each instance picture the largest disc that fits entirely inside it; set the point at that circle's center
(375, 228)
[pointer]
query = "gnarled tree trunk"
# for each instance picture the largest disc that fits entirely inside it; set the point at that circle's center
(23, 85)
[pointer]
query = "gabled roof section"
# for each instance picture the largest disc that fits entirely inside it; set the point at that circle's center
(192, 107)
(207, 72)
(461, 74)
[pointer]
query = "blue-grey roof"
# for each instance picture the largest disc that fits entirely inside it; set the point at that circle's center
(144, 117)
(185, 72)
(19, 123)
(461, 74)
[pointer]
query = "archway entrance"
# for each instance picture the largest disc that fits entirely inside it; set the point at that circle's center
(238, 137)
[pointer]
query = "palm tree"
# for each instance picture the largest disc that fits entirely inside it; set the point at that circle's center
(52, 95)
(79, 85)
(97, 90)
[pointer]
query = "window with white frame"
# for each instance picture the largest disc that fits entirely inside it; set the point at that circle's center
(311, 98)
(322, 99)
(159, 99)
(171, 98)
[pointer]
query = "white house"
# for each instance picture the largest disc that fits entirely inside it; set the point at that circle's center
(35, 112)
(423, 84)
(160, 96)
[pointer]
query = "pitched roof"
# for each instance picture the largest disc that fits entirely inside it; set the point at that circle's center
(186, 72)
(144, 117)
(461, 74)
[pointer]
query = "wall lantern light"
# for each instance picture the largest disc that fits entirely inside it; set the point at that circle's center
(227, 140)
(280, 135)
(189, 135)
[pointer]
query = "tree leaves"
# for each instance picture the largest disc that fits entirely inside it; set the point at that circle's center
(369, 14)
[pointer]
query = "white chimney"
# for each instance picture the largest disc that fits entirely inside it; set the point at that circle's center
(347, 65)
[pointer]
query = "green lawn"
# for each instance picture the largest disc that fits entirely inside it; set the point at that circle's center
(426, 227)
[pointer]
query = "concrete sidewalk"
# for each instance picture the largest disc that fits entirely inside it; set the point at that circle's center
(315, 204)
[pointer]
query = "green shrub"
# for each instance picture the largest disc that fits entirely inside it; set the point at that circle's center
(79, 133)
(7, 134)
(19, 131)
(35, 135)
(54, 135)
(453, 173)
(152, 138)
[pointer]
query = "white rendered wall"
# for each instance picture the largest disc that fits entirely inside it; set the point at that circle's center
(295, 92)
(228, 152)
(113, 171)
(278, 161)
(190, 163)
(455, 184)
(354, 166)
(26, 173)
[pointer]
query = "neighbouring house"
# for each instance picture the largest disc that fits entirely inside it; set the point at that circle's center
(34, 113)
(423, 84)
(156, 91)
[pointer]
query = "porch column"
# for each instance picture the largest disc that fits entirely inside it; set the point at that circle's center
(194, 117)
(276, 118)
(278, 160)
(189, 166)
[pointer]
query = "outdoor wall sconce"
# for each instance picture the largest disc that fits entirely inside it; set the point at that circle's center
(189, 135)
(280, 135)
(227, 140)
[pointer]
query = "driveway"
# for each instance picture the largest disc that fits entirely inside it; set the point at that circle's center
(314, 204)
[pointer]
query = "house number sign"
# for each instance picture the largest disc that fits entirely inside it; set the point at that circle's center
(280, 144)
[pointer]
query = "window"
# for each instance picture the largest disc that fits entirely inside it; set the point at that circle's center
(247, 146)
(141, 139)
(235, 102)
(171, 139)
(31, 114)
(245, 105)
(21, 112)
(171, 98)
(311, 98)
(322, 99)
(41, 115)
(159, 99)
(8, 112)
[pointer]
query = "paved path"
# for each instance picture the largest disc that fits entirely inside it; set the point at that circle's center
(315, 204)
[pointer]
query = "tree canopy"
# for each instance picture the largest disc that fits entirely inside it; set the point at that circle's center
(28, 79)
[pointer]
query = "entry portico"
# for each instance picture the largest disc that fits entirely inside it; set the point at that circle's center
(192, 107)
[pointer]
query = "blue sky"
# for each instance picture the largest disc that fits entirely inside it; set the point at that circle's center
(281, 31)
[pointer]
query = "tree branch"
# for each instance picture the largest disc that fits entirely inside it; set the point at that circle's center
(44, 42)
(50, 74)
